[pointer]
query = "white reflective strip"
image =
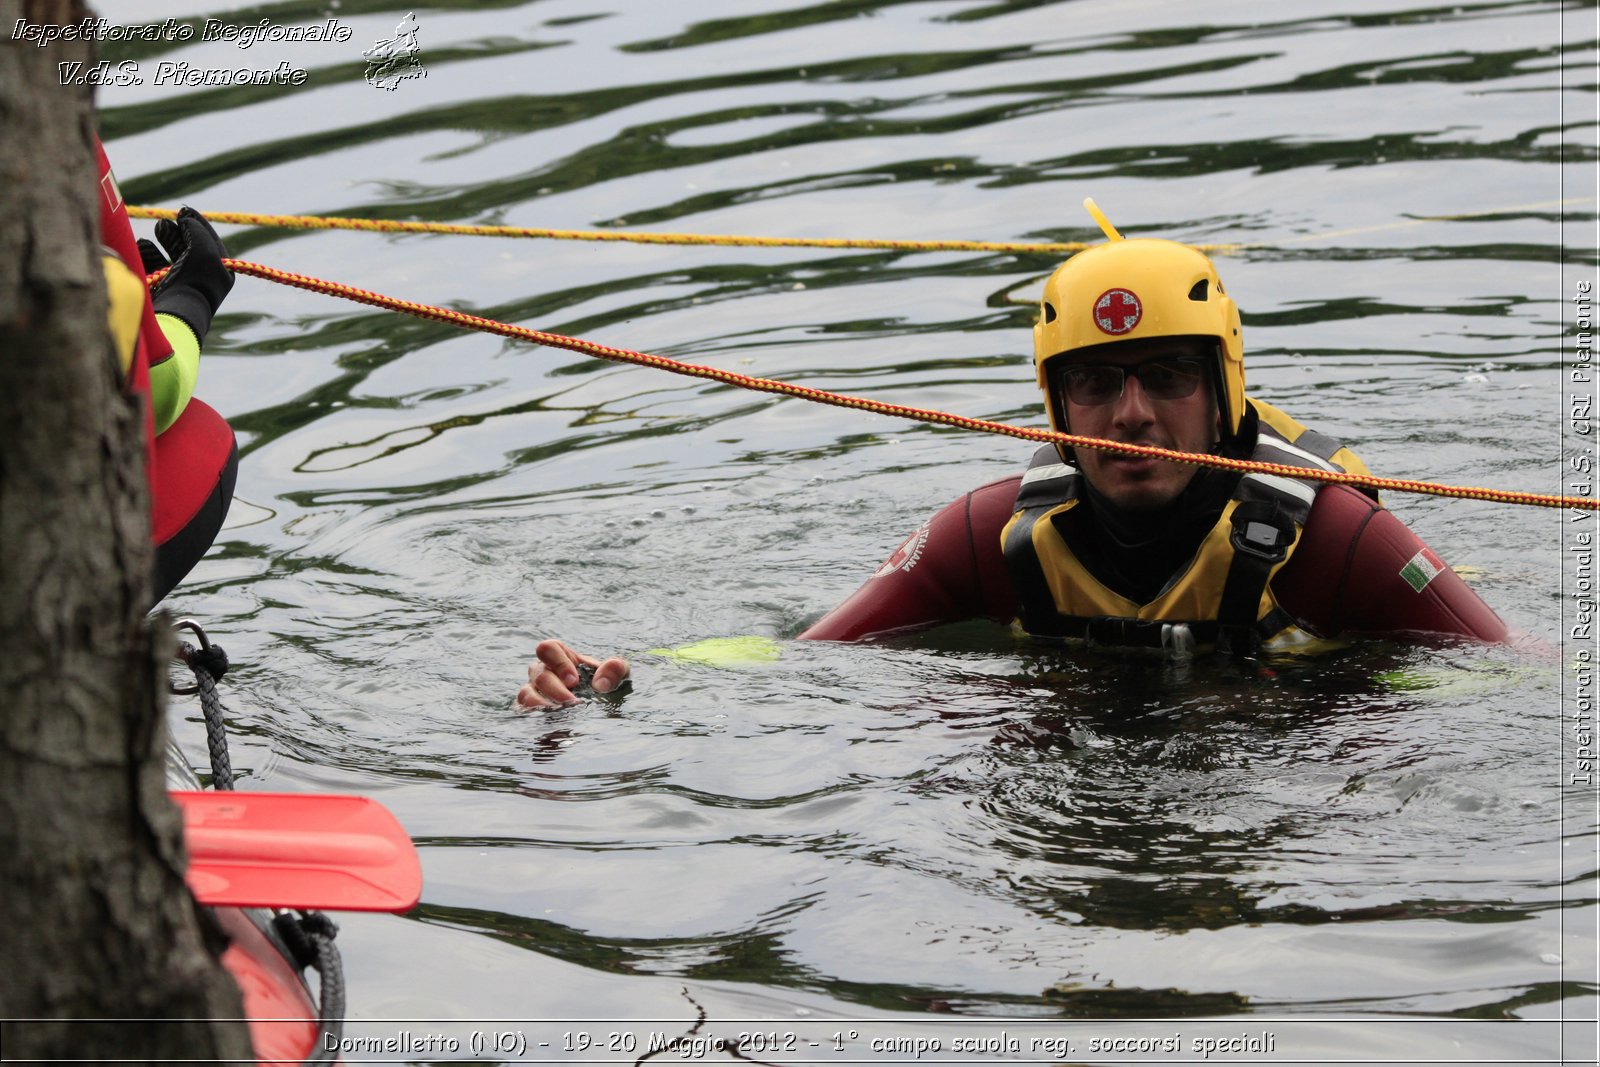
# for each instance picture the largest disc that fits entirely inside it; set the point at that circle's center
(1050, 470)
(1298, 490)
(1284, 446)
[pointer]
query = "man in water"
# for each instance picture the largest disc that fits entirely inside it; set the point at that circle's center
(1137, 343)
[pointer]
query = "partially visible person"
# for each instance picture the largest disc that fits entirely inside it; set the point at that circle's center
(1138, 343)
(191, 455)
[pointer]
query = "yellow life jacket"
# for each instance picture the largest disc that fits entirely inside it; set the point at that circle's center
(1222, 596)
(125, 294)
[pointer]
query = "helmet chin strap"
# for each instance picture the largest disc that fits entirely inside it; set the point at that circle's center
(1219, 396)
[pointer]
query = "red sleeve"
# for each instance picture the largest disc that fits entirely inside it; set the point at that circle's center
(950, 569)
(116, 233)
(1358, 568)
(191, 458)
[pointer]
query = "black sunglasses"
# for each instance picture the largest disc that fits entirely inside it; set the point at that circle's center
(1168, 378)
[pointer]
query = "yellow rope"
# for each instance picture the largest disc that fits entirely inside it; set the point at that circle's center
(317, 222)
(1423, 220)
(329, 222)
(768, 385)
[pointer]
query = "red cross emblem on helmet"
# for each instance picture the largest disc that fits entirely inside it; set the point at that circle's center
(1116, 311)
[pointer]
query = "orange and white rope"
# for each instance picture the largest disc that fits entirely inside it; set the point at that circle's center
(929, 415)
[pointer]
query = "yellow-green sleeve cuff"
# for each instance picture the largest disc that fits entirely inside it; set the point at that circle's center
(172, 380)
(724, 651)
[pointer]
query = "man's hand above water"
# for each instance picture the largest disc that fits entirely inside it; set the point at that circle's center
(560, 676)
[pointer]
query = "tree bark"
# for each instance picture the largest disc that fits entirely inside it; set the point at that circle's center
(105, 949)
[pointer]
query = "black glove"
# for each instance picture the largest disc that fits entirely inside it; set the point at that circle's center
(196, 282)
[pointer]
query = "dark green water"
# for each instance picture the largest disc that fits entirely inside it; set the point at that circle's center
(1376, 858)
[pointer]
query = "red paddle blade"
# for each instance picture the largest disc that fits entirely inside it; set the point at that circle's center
(294, 850)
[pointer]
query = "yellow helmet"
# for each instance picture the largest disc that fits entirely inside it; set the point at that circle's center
(1135, 290)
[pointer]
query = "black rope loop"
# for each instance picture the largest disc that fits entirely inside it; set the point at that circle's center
(208, 657)
(213, 660)
(208, 662)
(309, 938)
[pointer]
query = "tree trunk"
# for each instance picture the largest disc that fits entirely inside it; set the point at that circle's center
(99, 924)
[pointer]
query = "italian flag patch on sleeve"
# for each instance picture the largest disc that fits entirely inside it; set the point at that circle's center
(1421, 569)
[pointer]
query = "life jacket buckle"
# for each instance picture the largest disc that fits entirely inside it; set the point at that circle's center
(1177, 640)
(1267, 540)
(1114, 632)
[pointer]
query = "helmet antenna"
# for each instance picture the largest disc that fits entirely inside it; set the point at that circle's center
(1100, 216)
